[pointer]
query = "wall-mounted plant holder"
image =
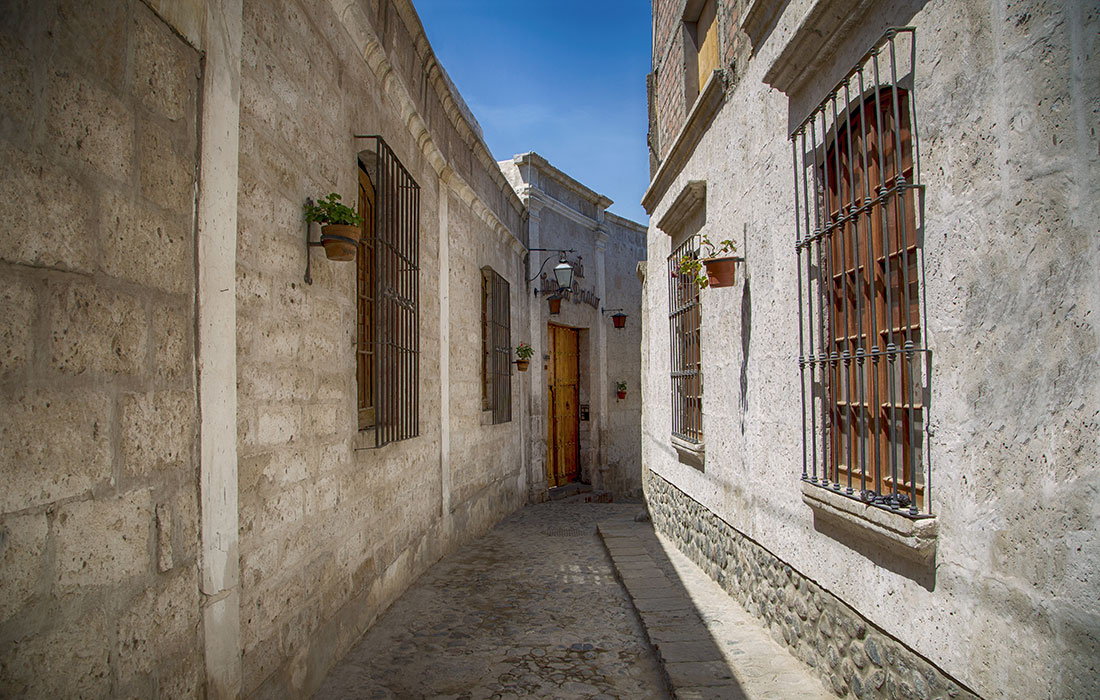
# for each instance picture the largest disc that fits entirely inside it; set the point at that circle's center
(555, 305)
(340, 240)
(620, 389)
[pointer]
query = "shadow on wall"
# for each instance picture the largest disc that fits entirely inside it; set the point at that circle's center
(923, 573)
(746, 338)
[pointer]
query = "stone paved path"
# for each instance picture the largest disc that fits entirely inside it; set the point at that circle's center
(532, 609)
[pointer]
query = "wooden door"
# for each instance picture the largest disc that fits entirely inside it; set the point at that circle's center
(563, 451)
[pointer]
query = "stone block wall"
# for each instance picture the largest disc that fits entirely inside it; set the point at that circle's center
(853, 657)
(98, 424)
(332, 529)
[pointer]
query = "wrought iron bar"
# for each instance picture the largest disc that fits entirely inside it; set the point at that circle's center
(868, 380)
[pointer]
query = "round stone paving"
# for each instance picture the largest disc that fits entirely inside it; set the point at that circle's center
(530, 610)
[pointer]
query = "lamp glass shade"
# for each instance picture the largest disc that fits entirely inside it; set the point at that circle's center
(619, 320)
(563, 273)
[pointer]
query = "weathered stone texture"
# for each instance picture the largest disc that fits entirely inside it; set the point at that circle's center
(22, 553)
(853, 657)
(1010, 264)
(53, 446)
(56, 234)
(98, 422)
(332, 531)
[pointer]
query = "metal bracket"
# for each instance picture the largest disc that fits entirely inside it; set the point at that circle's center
(309, 244)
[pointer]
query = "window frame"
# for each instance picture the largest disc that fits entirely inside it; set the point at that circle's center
(364, 306)
(496, 346)
(685, 350)
(395, 299)
(859, 242)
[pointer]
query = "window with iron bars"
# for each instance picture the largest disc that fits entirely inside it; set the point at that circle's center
(862, 357)
(388, 297)
(496, 344)
(687, 374)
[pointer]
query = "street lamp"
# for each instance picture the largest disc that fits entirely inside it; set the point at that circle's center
(563, 271)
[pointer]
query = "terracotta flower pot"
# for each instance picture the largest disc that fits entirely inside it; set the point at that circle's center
(619, 320)
(555, 305)
(622, 394)
(341, 241)
(522, 365)
(721, 272)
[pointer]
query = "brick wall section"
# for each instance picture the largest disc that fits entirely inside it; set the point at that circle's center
(332, 531)
(671, 51)
(854, 658)
(98, 514)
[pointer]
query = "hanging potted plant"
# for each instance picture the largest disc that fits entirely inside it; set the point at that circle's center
(715, 266)
(340, 226)
(523, 353)
(620, 389)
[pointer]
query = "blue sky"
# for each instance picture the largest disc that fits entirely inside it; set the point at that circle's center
(563, 78)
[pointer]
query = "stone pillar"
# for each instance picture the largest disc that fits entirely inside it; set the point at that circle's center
(217, 349)
(602, 391)
(444, 349)
(537, 402)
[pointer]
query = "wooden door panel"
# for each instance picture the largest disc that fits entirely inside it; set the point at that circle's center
(563, 464)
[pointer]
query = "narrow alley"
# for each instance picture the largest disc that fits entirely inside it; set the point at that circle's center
(537, 608)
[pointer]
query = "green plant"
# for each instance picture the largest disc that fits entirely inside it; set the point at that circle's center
(524, 351)
(330, 211)
(620, 386)
(691, 264)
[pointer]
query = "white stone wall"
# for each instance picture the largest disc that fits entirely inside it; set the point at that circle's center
(564, 214)
(1007, 107)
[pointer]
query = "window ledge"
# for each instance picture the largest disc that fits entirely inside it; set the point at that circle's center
(914, 537)
(690, 453)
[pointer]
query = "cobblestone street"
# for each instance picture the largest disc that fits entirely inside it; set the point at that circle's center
(532, 609)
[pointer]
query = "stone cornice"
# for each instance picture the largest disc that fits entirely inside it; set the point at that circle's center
(693, 196)
(758, 18)
(626, 223)
(359, 28)
(539, 199)
(545, 168)
(815, 40)
(711, 98)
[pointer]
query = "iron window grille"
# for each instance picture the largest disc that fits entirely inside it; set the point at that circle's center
(389, 343)
(863, 363)
(684, 351)
(496, 343)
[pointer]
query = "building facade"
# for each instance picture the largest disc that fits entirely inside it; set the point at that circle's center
(224, 453)
(581, 430)
(882, 437)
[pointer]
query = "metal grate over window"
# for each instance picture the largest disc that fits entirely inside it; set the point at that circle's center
(394, 341)
(687, 375)
(862, 358)
(496, 342)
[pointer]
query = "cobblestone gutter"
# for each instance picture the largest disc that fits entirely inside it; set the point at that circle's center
(853, 657)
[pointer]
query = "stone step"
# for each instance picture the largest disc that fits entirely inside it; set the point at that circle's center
(709, 646)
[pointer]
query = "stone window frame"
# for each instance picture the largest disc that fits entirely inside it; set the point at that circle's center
(681, 222)
(496, 346)
(857, 182)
